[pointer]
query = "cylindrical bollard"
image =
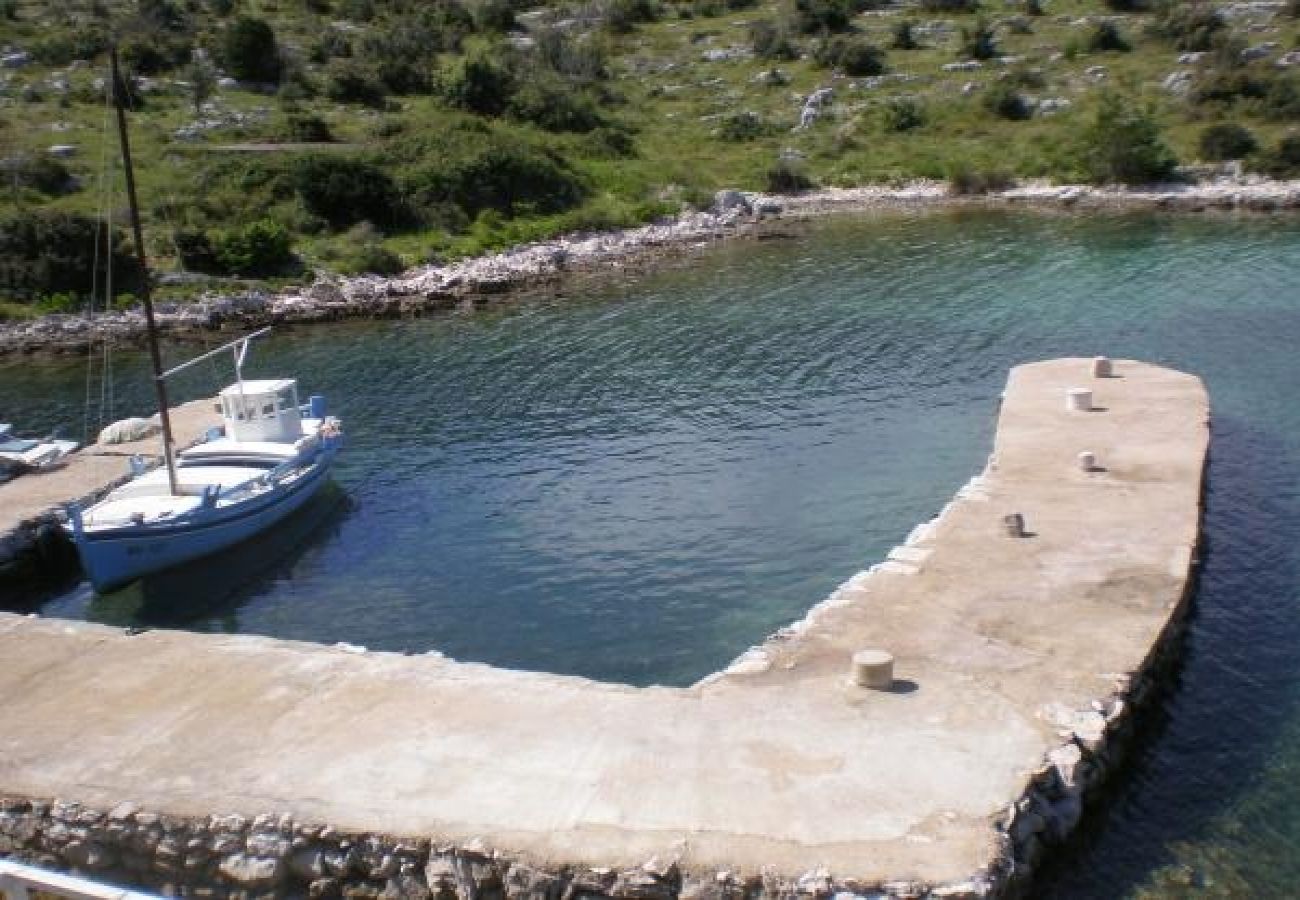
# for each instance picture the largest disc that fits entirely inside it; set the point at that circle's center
(1101, 367)
(1014, 523)
(1078, 399)
(1087, 460)
(873, 669)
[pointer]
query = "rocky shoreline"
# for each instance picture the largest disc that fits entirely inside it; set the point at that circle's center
(466, 283)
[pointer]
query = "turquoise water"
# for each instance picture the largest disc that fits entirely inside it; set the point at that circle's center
(637, 481)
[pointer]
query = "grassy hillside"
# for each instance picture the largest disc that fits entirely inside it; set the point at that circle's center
(274, 137)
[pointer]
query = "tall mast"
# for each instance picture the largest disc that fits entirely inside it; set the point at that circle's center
(155, 357)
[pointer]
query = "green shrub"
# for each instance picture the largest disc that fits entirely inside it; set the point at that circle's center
(903, 38)
(787, 177)
(1123, 144)
(307, 129)
(460, 172)
(1127, 6)
(621, 16)
(1003, 100)
(332, 44)
(950, 6)
(260, 248)
(813, 16)
(348, 81)
(356, 10)
(481, 82)
(494, 15)
(902, 114)
(41, 173)
(250, 52)
(195, 251)
(1106, 38)
(851, 55)
(62, 48)
(610, 142)
(963, 181)
(1226, 141)
(1032, 8)
(977, 41)
(343, 190)
(1190, 27)
(44, 253)
(584, 58)
(771, 41)
(743, 126)
(553, 106)
(150, 54)
(1283, 161)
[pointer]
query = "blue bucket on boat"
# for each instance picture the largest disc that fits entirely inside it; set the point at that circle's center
(315, 407)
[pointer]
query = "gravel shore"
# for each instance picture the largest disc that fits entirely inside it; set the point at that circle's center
(441, 287)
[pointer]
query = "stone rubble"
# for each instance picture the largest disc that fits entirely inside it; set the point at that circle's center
(465, 283)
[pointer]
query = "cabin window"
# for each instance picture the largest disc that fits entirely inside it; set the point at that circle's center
(285, 399)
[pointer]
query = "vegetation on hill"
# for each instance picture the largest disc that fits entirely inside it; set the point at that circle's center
(275, 137)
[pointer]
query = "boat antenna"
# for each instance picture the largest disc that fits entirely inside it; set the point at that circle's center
(155, 357)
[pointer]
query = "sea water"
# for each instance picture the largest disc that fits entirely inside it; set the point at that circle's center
(637, 479)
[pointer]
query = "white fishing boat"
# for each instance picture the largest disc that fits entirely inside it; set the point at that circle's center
(269, 457)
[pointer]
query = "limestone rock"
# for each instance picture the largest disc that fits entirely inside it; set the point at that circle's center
(251, 871)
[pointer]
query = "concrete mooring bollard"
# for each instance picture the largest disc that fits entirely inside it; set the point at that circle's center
(1101, 367)
(1014, 525)
(1087, 461)
(1078, 399)
(873, 669)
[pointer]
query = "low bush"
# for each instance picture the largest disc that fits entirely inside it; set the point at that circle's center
(1282, 161)
(1190, 27)
(771, 41)
(814, 16)
(481, 82)
(964, 181)
(622, 16)
(1003, 100)
(471, 170)
(343, 190)
(1226, 141)
(902, 114)
(950, 6)
(903, 36)
(348, 81)
(1123, 144)
(850, 55)
(743, 126)
(250, 52)
(258, 249)
(978, 41)
(41, 173)
(307, 129)
(787, 177)
(44, 253)
(1106, 38)
(554, 106)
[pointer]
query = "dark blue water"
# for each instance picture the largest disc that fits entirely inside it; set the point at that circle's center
(637, 481)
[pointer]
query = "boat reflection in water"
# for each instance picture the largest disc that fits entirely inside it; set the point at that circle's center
(207, 593)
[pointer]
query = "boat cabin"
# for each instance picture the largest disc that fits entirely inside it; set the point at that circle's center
(262, 411)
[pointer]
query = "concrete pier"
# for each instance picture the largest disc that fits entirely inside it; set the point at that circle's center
(1016, 659)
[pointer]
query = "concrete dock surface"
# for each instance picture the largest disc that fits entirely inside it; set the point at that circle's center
(95, 467)
(1001, 646)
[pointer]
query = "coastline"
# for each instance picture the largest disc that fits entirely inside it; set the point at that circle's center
(464, 283)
